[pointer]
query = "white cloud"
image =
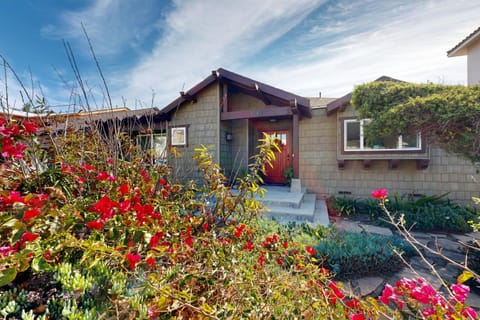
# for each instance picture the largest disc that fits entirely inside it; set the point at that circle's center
(113, 26)
(202, 35)
(325, 46)
(410, 45)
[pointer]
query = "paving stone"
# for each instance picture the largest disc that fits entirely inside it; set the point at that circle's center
(377, 230)
(455, 256)
(437, 235)
(474, 235)
(348, 226)
(462, 238)
(420, 235)
(422, 273)
(473, 300)
(447, 244)
(369, 285)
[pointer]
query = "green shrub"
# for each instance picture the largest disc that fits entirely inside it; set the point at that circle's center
(425, 213)
(359, 254)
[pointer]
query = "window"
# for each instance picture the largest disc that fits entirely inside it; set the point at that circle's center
(354, 139)
(154, 146)
(179, 136)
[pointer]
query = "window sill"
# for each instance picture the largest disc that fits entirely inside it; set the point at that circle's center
(422, 163)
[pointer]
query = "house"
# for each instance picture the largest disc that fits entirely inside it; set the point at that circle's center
(321, 141)
(470, 47)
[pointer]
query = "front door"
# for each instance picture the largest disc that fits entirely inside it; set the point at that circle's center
(275, 174)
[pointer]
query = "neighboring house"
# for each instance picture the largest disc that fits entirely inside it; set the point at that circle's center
(470, 47)
(322, 141)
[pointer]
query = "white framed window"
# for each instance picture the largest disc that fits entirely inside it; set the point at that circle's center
(153, 146)
(355, 140)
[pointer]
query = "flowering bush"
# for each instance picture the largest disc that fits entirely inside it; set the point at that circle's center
(419, 299)
(99, 236)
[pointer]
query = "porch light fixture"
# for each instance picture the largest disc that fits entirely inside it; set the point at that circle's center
(228, 136)
(272, 120)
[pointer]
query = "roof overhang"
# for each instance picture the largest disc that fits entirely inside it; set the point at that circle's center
(341, 103)
(461, 48)
(268, 94)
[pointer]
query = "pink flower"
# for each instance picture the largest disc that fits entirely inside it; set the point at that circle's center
(358, 316)
(469, 312)
(387, 294)
(380, 193)
(460, 292)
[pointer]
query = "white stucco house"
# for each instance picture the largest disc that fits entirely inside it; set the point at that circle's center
(470, 47)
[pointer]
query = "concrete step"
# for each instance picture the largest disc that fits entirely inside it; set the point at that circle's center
(279, 196)
(310, 210)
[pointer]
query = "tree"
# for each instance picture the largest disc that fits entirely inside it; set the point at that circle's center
(447, 116)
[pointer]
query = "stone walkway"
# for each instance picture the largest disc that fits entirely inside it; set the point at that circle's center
(451, 245)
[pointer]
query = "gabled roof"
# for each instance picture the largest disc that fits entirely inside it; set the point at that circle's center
(461, 48)
(270, 95)
(341, 103)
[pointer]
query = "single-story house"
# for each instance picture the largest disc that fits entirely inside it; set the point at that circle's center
(321, 141)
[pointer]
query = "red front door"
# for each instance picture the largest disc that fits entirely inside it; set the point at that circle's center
(275, 174)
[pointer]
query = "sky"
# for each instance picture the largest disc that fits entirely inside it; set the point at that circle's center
(150, 50)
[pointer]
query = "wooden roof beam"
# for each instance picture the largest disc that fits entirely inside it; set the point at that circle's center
(263, 97)
(188, 97)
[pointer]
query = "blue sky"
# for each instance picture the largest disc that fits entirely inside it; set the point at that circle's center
(149, 50)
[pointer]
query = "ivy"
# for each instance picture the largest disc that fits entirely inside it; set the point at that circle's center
(447, 116)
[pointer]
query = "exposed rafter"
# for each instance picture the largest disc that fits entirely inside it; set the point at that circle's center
(262, 95)
(188, 97)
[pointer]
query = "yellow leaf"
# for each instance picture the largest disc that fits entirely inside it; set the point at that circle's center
(465, 276)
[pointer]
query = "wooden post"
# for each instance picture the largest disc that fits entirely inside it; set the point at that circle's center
(295, 147)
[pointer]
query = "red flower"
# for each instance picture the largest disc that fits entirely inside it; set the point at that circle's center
(133, 259)
(248, 246)
(261, 259)
(96, 224)
(29, 127)
(110, 160)
(124, 189)
(103, 176)
(155, 239)
(380, 193)
(87, 167)
(357, 317)
(338, 293)
(162, 182)
(30, 214)
(285, 244)
(238, 230)
(310, 250)
(28, 236)
(151, 262)
(279, 261)
(13, 197)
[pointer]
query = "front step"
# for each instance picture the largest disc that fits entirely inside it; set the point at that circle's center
(288, 207)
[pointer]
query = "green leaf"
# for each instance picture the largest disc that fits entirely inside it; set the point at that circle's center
(7, 276)
(39, 264)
